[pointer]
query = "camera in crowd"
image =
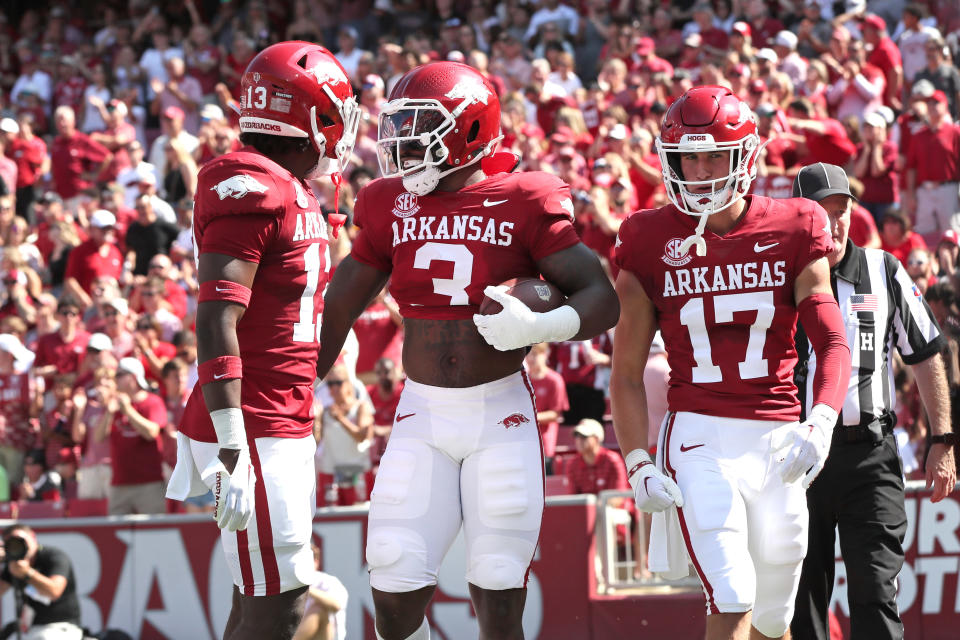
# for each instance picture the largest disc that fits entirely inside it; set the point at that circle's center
(15, 547)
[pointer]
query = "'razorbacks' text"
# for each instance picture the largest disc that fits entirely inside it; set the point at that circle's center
(730, 277)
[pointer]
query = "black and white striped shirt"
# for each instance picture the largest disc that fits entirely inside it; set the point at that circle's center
(882, 309)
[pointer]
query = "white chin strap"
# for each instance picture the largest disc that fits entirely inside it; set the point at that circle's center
(714, 201)
(422, 182)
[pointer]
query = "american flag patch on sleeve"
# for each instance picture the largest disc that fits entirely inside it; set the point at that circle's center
(863, 302)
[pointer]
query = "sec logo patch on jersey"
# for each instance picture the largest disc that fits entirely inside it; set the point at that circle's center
(405, 205)
(672, 255)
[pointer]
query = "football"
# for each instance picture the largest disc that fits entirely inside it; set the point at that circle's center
(537, 294)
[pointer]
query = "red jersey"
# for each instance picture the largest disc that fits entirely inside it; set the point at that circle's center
(862, 226)
(86, 264)
(251, 208)
(378, 336)
(551, 395)
(728, 318)
(607, 472)
(71, 157)
(832, 146)
(135, 459)
(881, 187)
(935, 154)
(16, 397)
(571, 360)
(902, 251)
(51, 349)
(446, 247)
(29, 156)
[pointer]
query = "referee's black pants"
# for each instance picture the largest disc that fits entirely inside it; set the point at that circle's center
(860, 491)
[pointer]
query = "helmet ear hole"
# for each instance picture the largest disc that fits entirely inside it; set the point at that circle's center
(474, 131)
(325, 120)
(302, 62)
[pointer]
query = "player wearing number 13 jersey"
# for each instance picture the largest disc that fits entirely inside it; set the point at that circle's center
(446, 224)
(724, 275)
(262, 247)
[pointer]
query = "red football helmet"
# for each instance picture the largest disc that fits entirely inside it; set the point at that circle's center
(298, 89)
(441, 117)
(708, 118)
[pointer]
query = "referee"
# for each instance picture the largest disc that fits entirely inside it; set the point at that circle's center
(860, 490)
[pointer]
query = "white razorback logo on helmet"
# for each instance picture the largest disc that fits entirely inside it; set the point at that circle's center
(327, 72)
(238, 186)
(567, 205)
(470, 89)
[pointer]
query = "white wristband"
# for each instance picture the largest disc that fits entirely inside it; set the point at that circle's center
(228, 423)
(635, 458)
(560, 324)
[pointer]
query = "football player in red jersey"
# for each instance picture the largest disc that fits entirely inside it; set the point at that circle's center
(446, 226)
(262, 247)
(733, 463)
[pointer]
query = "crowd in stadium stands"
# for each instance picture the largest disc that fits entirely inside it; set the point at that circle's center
(109, 108)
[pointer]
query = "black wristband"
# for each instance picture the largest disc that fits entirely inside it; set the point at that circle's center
(949, 439)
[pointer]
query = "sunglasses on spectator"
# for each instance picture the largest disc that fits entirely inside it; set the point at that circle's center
(157, 266)
(916, 263)
(68, 312)
(144, 327)
(110, 312)
(148, 293)
(334, 383)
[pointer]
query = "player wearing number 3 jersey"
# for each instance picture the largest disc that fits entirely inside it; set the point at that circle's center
(263, 258)
(723, 275)
(446, 224)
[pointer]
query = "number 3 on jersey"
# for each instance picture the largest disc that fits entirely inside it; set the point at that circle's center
(462, 259)
(754, 365)
(307, 329)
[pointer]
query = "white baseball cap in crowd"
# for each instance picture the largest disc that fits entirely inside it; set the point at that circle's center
(211, 112)
(786, 39)
(9, 125)
(589, 427)
(875, 119)
(767, 54)
(119, 304)
(22, 357)
(100, 342)
(101, 219)
(135, 368)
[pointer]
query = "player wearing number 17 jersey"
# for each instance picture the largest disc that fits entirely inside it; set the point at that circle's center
(446, 226)
(263, 259)
(724, 275)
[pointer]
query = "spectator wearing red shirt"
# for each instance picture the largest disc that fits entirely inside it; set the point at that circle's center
(551, 394)
(133, 422)
(714, 41)
(576, 361)
(30, 154)
(863, 228)
(75, 160)
(647, 59)
(595, 468)
(160, 266)
(384, 396)
(824, 140)
(885, 55)
(115, 137)
(61, 351)
(896, 236)
(203, 59)
(19, 404)
(933, 172)
(379, 335)
(175, 391)
(96, 256)
(876, 166)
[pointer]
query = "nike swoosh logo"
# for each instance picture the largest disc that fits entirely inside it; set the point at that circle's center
(492, 203)
(684, 447)
(219, 290)
(758, 248)
(222, 375)
(405, 416)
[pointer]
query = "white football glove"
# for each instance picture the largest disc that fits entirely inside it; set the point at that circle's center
(233, 492)
(652, 490)
(805, 450)
(517, 326)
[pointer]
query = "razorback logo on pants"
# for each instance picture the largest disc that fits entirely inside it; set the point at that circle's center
(514, 420)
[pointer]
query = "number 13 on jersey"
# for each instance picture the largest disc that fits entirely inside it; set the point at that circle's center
(308, 327)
